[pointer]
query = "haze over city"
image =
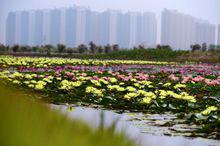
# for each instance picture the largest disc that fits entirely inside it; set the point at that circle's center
(206, 10)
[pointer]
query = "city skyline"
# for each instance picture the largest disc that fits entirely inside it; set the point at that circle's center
(202, 9)
(79, 25)
(128, 29)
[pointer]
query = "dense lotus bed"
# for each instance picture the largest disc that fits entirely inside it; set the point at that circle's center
(192, 91)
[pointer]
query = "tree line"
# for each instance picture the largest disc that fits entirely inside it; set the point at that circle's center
(92, 48)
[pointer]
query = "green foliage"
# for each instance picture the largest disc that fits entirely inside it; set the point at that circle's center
(136, 54)
(61, 48)
(15, 48)
(82, 48)
(2, 48)
(28, 123)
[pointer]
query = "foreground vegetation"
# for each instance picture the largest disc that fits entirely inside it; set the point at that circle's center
(190, 90)
(27, 123)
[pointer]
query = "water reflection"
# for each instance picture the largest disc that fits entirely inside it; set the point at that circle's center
(132, 128)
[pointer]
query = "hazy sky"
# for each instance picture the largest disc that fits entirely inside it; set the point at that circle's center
(205, 9)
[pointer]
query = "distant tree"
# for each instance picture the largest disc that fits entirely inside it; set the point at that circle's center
(115, 47)
(48, 49)
(69, 50)
(218, 47)
(92, 47)
(166, 47)
(75, 50)
(7, 48)
(108, 48)
(15, 48)
(141, 47)
(212, 47)
(61, 48)
(158, 46)
(29, 48)
(41, 49)
(100, 49)
(2, 47)
(82, 48)
(35, 48)
(191, 46)
(195, 47)
(204, 47)
(135, 48)
(24, 48)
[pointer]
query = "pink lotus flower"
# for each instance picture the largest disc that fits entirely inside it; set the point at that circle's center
(186, 79)
(68, 74)
(95, 77)
(153, 77)
(100, 72)
(141, 76)
(212, 82)
(198, 79)
(218, 79)
(120, 77)
(73, 79)
(105, 78)
(84, 74)
(172, 77)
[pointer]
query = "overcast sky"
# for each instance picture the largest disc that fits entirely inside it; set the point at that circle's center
(205, 9)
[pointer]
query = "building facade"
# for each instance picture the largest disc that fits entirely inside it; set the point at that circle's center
(11, 28)
(70, 27)
(79, 25)
(180, 31)
(218, 41)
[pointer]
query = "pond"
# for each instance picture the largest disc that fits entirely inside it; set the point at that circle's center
(183, 98)
(142, 128)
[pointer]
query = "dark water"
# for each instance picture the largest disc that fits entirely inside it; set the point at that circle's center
(138, 127)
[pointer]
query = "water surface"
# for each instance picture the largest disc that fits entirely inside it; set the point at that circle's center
(138, 126)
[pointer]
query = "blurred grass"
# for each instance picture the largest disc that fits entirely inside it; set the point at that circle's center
(27, 123)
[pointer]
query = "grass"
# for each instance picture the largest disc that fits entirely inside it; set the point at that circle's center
(29, 123)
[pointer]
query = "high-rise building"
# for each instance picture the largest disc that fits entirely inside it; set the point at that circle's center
(147, 30)
(46, 27)
(18, 28)
(35, 28)
(180, 31)
(78, 25)
(10, 29)
(108, 27)
(218, 42)
(93, 33)
(176, 29)
(24, 24)
(133, 21)
(113, 21)
(205, 32)
(63, 26)
(31, 28)
(123, 30)
(38, 28)
(70, 27)
(55, 26)
(104, 28)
